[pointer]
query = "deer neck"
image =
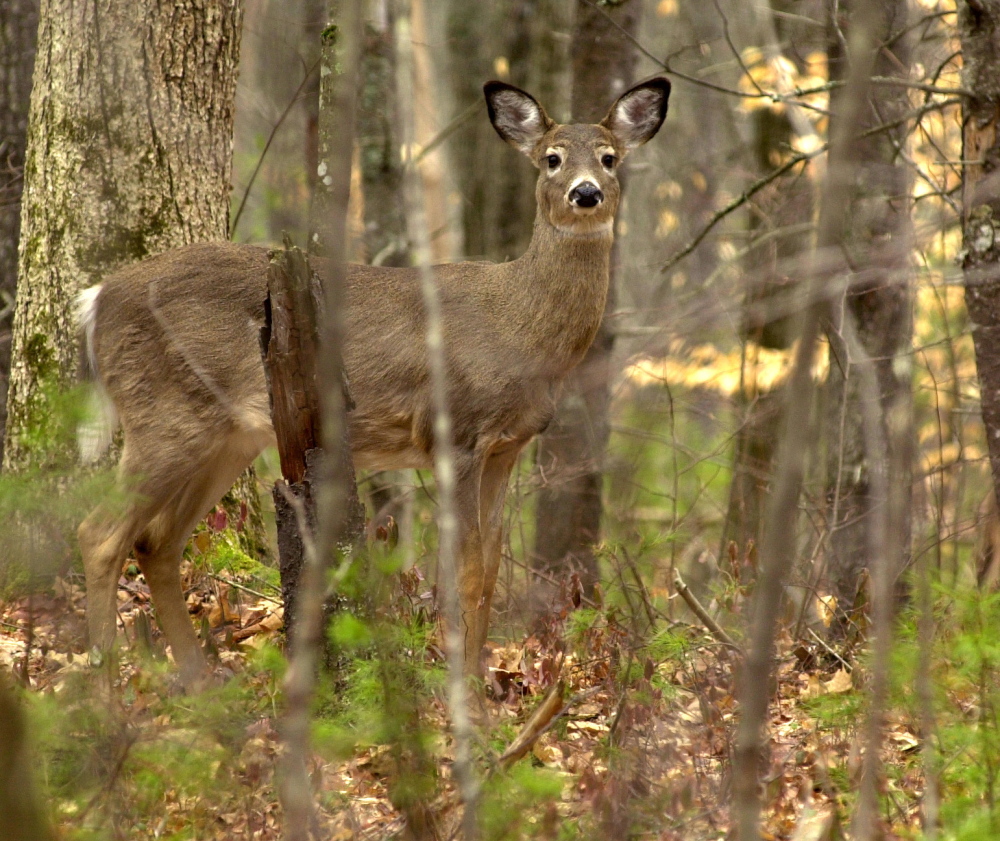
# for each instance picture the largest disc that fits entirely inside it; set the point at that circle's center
(563, 279)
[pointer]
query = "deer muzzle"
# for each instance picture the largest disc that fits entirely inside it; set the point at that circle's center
(586, 194)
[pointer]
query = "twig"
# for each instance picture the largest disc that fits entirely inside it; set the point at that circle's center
(243, 587)
(714, 628)
(740, 200)
(773, 96)
(536, 724)
(764, 180)
(829, 650)
(643, 592)
(456, 123)
(267, 146)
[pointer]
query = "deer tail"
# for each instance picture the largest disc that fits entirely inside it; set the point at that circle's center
(96, 431)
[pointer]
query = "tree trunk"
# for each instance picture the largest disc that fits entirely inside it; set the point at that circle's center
(979, 25)
(18, 29)
(525, 43)
(129, 154)
(571, 453)
(876, 244)
(384, 236)
(777, 250)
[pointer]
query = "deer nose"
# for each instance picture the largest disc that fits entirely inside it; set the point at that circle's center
(586, 195)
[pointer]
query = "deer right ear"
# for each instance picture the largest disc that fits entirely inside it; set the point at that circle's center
(639, 113)
(516, 116)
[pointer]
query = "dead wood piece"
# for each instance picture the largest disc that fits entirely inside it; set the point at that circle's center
(714, 628)
(551, 704)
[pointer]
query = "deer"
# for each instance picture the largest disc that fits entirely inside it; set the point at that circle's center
(173, 344)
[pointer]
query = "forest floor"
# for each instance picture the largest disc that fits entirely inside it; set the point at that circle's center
(640, 745)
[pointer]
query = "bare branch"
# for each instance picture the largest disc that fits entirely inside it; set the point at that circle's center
(714, 628)
(444, 460)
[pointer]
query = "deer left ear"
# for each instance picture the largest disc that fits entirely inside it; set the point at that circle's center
(638, 114)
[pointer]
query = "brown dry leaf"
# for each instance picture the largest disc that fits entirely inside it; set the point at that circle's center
(826, 608)
(548, 755)
(274, 620)
(817, 825)
(840, 682)
(594, 728)
(813, 687)
(905, 740)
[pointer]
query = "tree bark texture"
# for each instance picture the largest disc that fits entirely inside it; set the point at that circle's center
(570, 454)
(979, 26)
(129, 154)
(129, 144)
(18, 30)
(876, 248)
(344, 517)
(291, 345)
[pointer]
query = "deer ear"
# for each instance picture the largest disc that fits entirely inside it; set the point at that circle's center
(516, 116)
(638, 113)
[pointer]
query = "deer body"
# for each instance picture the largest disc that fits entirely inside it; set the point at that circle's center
(175, 342)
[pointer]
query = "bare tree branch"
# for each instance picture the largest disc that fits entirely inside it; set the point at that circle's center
(779, 538)
(444, 459)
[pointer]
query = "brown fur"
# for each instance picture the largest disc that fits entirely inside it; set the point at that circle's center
(175, 342)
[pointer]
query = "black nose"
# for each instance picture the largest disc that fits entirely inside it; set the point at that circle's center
(586, 195)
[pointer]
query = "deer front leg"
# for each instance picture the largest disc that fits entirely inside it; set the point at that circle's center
(493, 492)
(469, 567)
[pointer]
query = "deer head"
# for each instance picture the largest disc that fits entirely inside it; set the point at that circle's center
(577, 165)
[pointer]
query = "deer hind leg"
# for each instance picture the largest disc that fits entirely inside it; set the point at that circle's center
(106, 537)
(468, 557)
(161, 545)
(149, 482)
(493, 491)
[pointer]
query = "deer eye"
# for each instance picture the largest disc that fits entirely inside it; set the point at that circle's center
(553, 161)
(608, 161)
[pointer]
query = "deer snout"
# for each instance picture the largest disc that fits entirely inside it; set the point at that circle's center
(586, 194)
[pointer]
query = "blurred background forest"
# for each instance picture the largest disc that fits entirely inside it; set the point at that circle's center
(643, 524)
(699, 340)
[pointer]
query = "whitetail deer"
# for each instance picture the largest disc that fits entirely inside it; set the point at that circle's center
(174, 341)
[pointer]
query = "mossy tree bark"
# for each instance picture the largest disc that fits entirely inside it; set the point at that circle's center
(129, 153)
(18, 30)
(571, 453)
(979, 26)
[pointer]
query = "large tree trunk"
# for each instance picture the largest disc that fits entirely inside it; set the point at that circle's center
(570, 454)
(129, 154)
(979, 25)
(18, 29)
(877, 250)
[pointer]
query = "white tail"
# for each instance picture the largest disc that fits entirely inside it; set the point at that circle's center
(175, 342)
(95, 433)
